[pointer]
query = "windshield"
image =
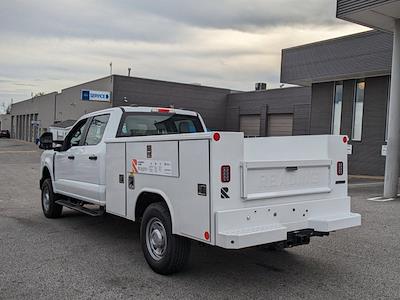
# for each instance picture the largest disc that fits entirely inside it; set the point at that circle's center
(142, 124)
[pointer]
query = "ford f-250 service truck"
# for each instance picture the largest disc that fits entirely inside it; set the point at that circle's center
(161, 167)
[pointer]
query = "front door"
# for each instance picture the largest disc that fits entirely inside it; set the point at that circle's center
(78, 168)
(64, 161)
(90, 161)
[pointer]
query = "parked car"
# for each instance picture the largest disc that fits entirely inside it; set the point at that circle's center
(4, 134)
(161, 167)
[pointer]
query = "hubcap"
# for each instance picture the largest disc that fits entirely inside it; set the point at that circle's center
(46, 198)
(156, 238)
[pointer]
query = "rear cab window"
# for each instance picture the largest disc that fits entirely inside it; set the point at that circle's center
(144, 124)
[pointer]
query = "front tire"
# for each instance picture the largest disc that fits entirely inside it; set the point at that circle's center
(50, 208)
(165, 252)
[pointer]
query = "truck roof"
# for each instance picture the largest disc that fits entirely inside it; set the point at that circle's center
(143, 109)
(158, 109)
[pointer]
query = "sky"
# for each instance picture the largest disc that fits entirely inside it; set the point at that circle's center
(48, 45)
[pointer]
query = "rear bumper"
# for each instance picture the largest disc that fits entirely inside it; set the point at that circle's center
(258, 226)
(335, 222)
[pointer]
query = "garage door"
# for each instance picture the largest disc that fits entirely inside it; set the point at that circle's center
(250, 125)
(280, 124)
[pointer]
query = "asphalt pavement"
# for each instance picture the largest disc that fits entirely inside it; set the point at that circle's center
(81, 257)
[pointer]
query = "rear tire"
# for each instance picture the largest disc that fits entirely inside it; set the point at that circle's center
(50, 208)
(165, 252)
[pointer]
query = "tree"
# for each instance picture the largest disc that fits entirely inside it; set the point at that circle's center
(5, 108)
(8, 109)
(38, 94)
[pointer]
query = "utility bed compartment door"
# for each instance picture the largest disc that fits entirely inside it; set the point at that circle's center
(116, 179)
(271, 179)
(178, 171)
(193, 202)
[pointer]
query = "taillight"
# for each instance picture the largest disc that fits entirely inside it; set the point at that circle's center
(225, 173)
(339, 168)
(163, 110)
(216, 136)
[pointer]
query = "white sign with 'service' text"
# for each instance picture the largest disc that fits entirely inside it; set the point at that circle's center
(90, 95)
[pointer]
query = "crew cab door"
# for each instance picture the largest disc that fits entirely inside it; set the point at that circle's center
(64, 160)
(78, 170)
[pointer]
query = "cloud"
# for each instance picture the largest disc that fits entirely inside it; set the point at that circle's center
(49, 45)
(83, 19)
(239, 14)
(156, 20)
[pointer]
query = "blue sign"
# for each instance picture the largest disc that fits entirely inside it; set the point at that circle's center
(90, 95)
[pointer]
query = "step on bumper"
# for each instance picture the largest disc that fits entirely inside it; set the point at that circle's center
(265, 234)
(335, 222)
(247, 237)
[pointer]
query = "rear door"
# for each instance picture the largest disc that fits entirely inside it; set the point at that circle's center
(287, 167)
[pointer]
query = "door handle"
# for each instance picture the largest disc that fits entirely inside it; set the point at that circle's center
(291, 169)
(71, 157)
(93, 157)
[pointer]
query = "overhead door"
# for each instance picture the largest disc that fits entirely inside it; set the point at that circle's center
(250, 125)
(280, 124)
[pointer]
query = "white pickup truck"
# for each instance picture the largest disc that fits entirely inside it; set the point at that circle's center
(161, 166)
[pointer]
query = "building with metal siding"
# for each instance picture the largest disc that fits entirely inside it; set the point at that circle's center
(346, 61)
(383, 16)
(345, 7)
(69, 104)
(286, 101)
(40, 108)
(210, 102)
(217, 105)
(377, 14)
(364, 54)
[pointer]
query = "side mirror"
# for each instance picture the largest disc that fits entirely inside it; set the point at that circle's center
(46, 141)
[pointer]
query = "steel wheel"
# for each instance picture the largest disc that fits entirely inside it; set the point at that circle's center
(156, 238)
(46, 198)
(165, 252)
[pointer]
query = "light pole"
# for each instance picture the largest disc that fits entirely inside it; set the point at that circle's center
(393, 143)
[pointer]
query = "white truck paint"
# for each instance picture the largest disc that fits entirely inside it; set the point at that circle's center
(277, 185)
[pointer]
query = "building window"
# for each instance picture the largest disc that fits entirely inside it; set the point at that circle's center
(387, 110)
(337, 108)
(358, 108)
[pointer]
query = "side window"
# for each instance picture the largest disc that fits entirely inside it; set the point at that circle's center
(358, 108)
(337, 108)
(96, 130)
(75, 135)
